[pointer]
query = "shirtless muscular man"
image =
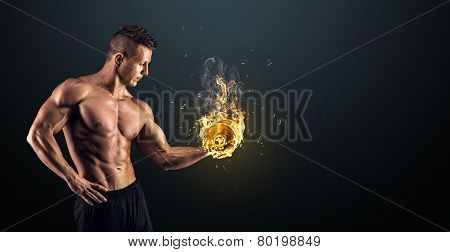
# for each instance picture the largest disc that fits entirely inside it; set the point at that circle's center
(100, 118)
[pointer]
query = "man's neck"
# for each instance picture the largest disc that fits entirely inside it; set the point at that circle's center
(108, 79)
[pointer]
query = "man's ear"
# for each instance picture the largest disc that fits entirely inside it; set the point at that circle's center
(118, 59)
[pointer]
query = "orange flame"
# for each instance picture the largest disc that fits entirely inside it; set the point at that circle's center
(222, 130)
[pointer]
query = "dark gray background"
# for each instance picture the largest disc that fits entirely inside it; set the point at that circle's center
(379, 116)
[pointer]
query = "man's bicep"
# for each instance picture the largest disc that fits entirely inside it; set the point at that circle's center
(56, 111)
(51, 116)
(152, 138)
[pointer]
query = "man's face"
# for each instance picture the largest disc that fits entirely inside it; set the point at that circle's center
(135, 66)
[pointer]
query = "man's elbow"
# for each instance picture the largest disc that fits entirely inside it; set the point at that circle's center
(31, 137)
(168, 166)
(161, 159)
(165, 166)
(34, 136)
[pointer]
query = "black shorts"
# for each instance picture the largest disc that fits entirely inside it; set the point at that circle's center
(125, 210)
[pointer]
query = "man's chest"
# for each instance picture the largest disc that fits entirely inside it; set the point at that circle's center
(107, 117)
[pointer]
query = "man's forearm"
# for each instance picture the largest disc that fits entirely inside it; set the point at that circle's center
(44, 144)
(181, 157)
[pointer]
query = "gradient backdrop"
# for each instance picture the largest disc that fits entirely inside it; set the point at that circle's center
(379, 115)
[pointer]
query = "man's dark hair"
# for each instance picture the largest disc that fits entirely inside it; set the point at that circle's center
(127, 37)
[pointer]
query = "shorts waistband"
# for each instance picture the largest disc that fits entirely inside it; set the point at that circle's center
(129, 188)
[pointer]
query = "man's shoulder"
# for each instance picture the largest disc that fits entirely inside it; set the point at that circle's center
(144, 105)
(73, 84)
(141, 103)
(71, 91)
